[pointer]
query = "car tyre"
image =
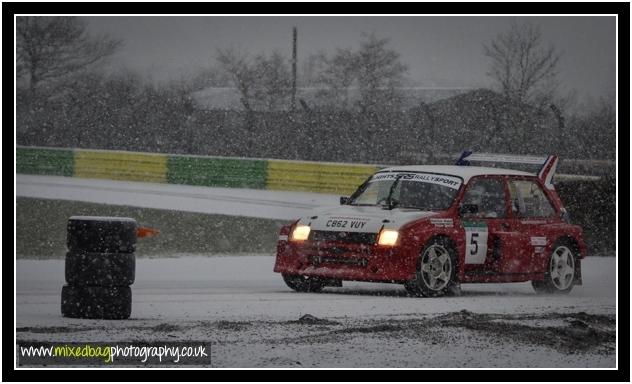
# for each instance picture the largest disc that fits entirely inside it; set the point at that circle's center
(303, 283)
(96, 302)
(100, 269)
(101, 234)
(560, 275)
(436, 273)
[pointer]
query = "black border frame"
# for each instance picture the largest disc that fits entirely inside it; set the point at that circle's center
(9, 373)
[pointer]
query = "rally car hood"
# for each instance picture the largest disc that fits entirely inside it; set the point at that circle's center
(368, 219)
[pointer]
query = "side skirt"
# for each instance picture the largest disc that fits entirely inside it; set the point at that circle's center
(492, 277)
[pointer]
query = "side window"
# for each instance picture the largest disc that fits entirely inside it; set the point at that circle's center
(529, 200)
(488, 195)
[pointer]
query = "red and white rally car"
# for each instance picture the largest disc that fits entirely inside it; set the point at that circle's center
(433, 227)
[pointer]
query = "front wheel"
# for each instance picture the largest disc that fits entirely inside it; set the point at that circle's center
(303, 283)
(560, 275)
(436, 270)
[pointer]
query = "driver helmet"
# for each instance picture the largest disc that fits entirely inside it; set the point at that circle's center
(477, 195)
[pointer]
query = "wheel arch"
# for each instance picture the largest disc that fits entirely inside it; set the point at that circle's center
(570, 240)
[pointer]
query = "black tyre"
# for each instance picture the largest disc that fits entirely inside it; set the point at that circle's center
(303, 283)
(410, 288)
(560, 275)
(103, 269)
(453, 290)
(96, 302)
(436, 270)
(101, 234)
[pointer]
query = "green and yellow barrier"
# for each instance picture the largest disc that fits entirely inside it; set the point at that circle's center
(216, 172)
(194, 170)
(41, 161)
(316, 177)
(117, 165)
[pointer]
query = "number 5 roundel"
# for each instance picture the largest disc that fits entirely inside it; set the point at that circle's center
(475, 242)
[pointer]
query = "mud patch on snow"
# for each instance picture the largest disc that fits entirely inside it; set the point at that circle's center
(311, 319)
(580, 332)
(231, 325)
(567, 333)
(48, 330)
(456, 339)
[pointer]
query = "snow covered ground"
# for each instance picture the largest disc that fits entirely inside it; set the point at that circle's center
(250, 318)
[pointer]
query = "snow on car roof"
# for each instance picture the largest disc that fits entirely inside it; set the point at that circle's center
(462, 171)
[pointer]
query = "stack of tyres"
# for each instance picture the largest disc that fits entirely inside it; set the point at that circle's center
(100, 267)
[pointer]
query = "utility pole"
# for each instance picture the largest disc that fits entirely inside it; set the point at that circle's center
(293, 105)
(560, 123)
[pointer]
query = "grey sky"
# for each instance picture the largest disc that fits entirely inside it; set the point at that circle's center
(439, 51)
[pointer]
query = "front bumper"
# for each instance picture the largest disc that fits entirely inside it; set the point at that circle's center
(344, 261)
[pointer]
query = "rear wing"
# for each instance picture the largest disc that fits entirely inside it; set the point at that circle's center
(548, 164)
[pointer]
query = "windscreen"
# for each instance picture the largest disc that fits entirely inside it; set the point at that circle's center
(422, 191)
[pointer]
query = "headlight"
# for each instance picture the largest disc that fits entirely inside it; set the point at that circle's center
(388, 237)
(300, 233)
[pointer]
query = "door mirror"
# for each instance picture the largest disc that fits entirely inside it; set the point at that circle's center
(344, 200)
(565, 216)
(466, 209)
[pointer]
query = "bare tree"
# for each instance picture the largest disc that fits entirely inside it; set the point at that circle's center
(380, 74)
(310, 69)
(337, 74)
(240, 68)
(264, 82)
(207, 77)
(273, 85)
(374, 71)
(524, 68)
(49, 48)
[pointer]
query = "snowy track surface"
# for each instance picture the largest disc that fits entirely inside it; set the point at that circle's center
(250, 318)
(226, 201)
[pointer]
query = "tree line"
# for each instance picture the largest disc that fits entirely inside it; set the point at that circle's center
(65, 98)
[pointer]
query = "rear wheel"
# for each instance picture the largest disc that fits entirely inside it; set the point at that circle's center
(436, 270)
(303, 283)
(560, 275)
